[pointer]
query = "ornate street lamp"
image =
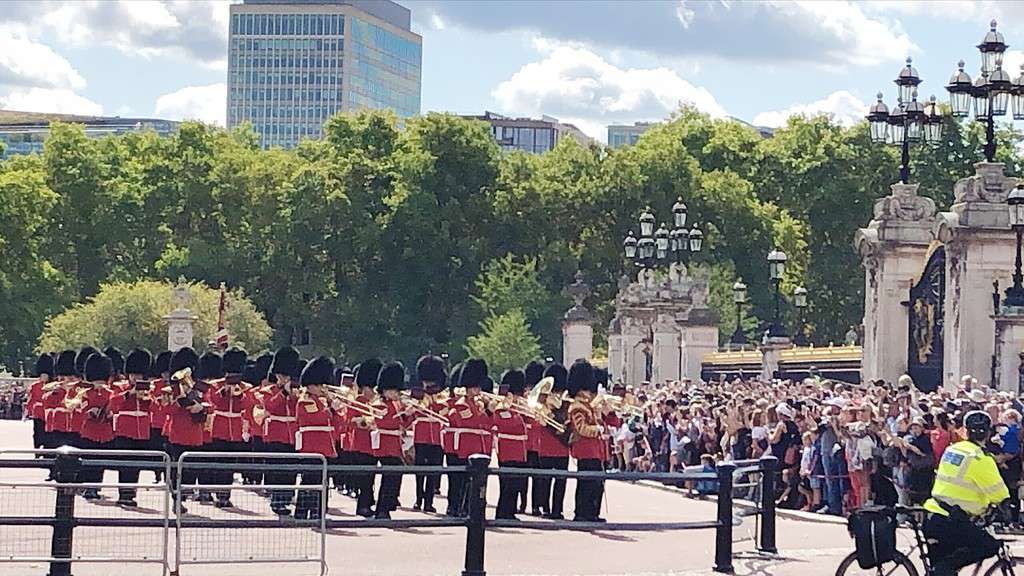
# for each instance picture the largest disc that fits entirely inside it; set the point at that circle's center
(1015, 202)
(696, 238)
(647, 222)
(739, 298)
(909, 122)
(629, 246)
(679, 214)
(800, 302)
(661, 240)
(776, 269)
(662, 245)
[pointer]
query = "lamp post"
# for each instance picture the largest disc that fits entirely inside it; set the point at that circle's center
(776, 268)
(655, 247)
(910, 121)
(1015, 202)
(800, 302)
(739, 298)
(991, 93)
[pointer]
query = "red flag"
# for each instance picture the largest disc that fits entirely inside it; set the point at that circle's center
(222, 328)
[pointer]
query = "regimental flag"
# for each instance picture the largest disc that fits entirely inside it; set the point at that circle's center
(222, 327)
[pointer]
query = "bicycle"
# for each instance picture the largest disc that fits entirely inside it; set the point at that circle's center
(902, 565)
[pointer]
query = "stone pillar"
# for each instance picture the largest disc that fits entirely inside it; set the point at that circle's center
(770, 352)
(1009, 343)
(577, 331)
(666, 349)
(180, 320)
(697, 342)
(893, 249)
(980, 249)
(616, 358)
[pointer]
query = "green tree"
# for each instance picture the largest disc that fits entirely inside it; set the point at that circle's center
(505, 341)
(127, 315)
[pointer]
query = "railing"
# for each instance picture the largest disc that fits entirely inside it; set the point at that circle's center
(68, 464)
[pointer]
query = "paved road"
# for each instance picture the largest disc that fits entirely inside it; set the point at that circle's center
(807, 547)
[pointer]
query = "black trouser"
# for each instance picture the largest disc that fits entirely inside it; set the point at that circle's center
(226, 476)
(558, 485)
(387, 496)
(129, 474)
(1011, 477)
(158, 443)
(456, 485)
(310, 501)
(340, 479)
(960, 543)
(509, 488)
(281, 476)
(589, 492)
(188, 475)
(39, 434)
(426, 484)
(540, 495)
(362, 482)
(253, 476)
(92, 474)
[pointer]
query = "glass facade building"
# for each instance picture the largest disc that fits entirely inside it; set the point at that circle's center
(620, 135)
(26, 132)
(292, 64)
(530, 135)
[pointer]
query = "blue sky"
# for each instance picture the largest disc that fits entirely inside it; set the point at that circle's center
(591, 63)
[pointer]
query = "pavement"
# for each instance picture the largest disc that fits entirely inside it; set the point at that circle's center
(809, 545)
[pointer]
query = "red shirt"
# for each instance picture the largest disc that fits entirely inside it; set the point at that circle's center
(253, 397)
(132, 416)
(97, 424)
(471, 427)
(386, 440)
(58, 418)
(226, 410)
(157, 411)
(315, 433)
(280, 424)
(34, 403)
(361, 429)
(512, 436)
(587, 436)
(182, 429)
(549, 445)
(426, 429)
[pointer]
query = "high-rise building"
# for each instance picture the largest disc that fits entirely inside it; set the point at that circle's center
(26, 132)
(620, 135)
(292, 64)
(529, 134)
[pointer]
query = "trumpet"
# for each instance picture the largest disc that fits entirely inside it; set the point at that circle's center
(355, 405)
(417, 406)
(617, 404)
(524, 408)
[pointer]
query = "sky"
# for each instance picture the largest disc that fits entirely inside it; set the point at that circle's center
(590, 63)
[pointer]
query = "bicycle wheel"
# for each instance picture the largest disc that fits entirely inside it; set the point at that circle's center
(901, 566)
(1004, 567)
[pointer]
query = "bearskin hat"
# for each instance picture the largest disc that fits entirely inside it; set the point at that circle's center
(139, 361)
(262, 368)
(116, 359)
(182, 358)
(559, 374)
(234, 360)
(318, 371)
(533, 372)
(456, 376)
(367, 372)
(162, 364)
(581, 377)
(65, 365)
(514, 381)
(431, 369)
(391, 377)
(44, 365)
(474, 373)
(82, 356)
(286, 361)
(211, 366)
(97, 368)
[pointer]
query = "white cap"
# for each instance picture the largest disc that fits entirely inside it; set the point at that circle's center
(784, 409)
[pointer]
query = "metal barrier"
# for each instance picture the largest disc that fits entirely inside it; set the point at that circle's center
(197, 538)
(37, 513)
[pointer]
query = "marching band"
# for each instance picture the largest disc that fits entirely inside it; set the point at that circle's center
(278, 403)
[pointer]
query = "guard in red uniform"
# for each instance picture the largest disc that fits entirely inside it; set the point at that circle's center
(426, 429)
(552, 448)
(512, 443)
(74, 398)
(341, 425)
(34, 403)
(280, 427)
(227, 404)
(587, 440)
(315, 434)
(159, 391)
(255, 413)
(57, 416)
(534, 372)
(387, 437)
(97, 428)
(361, 428)
(451, 458)
(470, 424)
(132, 418)
(186, 417)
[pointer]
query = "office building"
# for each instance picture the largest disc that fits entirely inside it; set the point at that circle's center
(292, 64)
(26, 132)
(620, 135)
(529, 134)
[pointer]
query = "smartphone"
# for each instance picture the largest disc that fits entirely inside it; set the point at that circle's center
(347, 379)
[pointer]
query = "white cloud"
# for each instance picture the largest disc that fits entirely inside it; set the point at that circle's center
(26, 63)
(579, 86)
(205, 103)
(860, 39)
(841, 106)
(59, 101)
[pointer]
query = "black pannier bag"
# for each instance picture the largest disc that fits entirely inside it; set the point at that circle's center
(874, 534)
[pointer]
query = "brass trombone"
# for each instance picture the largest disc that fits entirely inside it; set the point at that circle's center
(342, 395)
(417, 406)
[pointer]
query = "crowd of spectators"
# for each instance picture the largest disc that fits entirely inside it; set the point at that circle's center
(840, 445)
(12, 398)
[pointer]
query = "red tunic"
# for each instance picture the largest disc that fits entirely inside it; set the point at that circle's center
(471, 428)
(253, 397)
(315, 433)
(361, 428)
(447, 436)
(132, 416)
(182, 429)
(425, 428)
(226, 411)
(512, 436)
(58, 417)
(587, 439)
(157, 411)
(280, 424)
(34, 403)
(96, 421)
(386, 440)
(548, 444)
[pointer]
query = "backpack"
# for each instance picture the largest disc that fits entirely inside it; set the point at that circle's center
(874, 535)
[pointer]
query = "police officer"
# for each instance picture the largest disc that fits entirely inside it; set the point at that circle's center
(966, 485)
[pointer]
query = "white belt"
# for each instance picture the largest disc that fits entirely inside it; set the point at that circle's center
(272, 418)
(377, 433)
(460, 431)
(230, 414)
(138, 413)
(521, 437)
(304, 429)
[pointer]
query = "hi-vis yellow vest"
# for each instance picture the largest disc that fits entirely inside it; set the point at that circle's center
(968, 478)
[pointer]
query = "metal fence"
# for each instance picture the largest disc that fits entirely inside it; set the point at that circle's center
(241, 534)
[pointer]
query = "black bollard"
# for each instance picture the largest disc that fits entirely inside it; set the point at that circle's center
(477, 497)
(723, 533)
(66, 466)
(769, 468)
